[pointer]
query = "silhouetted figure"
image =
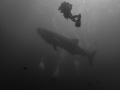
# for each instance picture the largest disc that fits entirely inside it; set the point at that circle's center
(90, 84)
(97, 82)
(41, 66)
(25, 68)
(66, 8)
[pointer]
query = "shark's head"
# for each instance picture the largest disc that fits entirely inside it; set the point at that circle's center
(45, 34)
(40, 31)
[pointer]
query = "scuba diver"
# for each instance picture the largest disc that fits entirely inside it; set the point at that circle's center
(66, 8)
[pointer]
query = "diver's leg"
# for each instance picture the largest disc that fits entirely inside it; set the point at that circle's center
(75, 16)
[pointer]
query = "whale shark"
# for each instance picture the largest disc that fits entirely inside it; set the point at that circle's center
(70, 45)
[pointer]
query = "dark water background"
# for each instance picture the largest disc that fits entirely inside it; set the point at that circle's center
(21, 48)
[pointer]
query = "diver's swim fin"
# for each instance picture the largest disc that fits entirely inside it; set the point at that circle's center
(78, 23)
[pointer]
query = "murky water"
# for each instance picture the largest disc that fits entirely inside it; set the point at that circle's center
(22, 49)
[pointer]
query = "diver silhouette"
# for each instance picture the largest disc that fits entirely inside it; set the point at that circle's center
(66, 8)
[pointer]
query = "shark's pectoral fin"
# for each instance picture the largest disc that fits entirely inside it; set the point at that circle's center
(55, 47)
(91, 56)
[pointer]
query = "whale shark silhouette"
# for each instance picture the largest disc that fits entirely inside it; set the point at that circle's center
(70, 45)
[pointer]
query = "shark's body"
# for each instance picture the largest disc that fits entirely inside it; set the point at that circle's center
(70, 45)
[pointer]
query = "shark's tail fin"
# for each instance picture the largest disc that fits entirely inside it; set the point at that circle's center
(91, 56)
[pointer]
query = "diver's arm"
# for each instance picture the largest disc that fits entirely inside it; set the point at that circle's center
(75, 16)
(72, 18)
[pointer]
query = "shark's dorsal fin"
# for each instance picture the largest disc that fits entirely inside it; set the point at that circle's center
(76, 41)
